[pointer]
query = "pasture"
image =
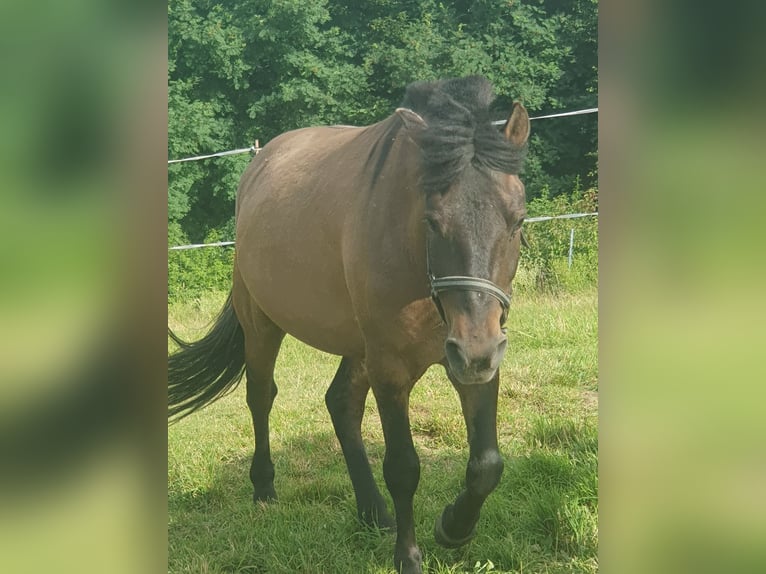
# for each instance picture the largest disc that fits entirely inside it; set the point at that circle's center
(541, 519)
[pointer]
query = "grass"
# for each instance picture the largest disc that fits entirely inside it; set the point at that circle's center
(541, 519)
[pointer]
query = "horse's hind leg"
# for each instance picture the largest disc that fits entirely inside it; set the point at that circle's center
(345, 401)
(262, 341)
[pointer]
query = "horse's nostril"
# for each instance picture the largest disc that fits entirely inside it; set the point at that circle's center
(481, 363)
(485, 357)
(454, 353)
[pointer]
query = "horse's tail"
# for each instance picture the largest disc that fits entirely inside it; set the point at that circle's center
(204, 371)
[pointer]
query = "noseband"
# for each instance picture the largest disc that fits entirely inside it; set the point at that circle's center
(464, 283)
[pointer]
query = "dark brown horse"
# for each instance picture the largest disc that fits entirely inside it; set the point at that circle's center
(393, 246)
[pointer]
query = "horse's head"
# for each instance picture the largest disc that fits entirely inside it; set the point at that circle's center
(473, 220)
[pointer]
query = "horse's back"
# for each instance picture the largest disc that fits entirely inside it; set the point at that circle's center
(292, 206)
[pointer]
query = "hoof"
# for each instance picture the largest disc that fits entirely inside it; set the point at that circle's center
(410, 563)
(264, 495)
(411, 569)
(373, 514)
(377, 520)
(446, 540)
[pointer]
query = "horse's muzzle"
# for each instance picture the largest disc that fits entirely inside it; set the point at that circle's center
(474, 363)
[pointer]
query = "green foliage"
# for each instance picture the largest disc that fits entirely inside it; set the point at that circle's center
(544, 265)
(240, 71)
(564, 150)
(194, 272)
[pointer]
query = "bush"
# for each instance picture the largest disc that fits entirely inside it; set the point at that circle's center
(544, 264)
(195, 272)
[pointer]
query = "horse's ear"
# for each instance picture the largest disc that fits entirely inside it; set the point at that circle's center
(412, 121)
(517, 127)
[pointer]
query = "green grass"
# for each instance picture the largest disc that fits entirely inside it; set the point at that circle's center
(541, 519)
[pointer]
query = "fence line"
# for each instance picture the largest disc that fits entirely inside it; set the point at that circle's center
(219, 154)
(564, 114)
(567, 216)
(556, 115)
(528, 220)
(255, 148)
(195, 245)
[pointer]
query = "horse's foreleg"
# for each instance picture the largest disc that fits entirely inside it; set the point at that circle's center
(457, 524)
(345, 401)
(401, 466)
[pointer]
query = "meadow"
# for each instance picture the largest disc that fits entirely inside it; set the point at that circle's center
(541, 519)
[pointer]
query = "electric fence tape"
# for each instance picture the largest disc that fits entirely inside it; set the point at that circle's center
(256, 149)
(527, 220)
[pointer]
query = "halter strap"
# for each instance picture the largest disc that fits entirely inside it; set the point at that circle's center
(469, 284)
(464, 283)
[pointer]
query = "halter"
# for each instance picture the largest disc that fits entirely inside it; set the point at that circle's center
(464, 283)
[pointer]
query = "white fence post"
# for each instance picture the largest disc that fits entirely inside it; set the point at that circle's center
(571, 246)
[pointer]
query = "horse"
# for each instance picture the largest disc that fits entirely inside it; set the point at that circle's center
(393, 246)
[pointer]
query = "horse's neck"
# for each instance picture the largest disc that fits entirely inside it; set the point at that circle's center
(396, 202)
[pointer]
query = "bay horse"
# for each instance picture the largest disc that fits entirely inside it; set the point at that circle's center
(393, 246)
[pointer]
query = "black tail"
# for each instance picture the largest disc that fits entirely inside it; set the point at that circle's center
(204, 371)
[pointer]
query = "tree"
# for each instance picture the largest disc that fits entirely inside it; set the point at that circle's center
(244, 70)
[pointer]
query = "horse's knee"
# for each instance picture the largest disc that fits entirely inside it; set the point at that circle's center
(401, 471)
(484, 471)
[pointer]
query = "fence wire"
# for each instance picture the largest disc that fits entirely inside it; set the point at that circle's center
(256, 148)
(527, 220)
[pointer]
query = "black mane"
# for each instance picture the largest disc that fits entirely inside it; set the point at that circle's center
(459, 130)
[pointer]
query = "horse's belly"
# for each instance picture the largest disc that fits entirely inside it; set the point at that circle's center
(335, 333)
(302, 289)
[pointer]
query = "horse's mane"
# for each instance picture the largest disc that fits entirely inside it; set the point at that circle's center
(460, 130)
